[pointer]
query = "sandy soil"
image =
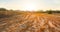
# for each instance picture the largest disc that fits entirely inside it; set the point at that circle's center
(30, 22)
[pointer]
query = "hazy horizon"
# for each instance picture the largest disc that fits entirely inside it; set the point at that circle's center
(38, 4)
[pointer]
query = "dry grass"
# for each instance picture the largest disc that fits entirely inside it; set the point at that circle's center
(29, 22)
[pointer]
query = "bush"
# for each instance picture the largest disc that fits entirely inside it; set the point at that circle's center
(3, 9)
(49, 11)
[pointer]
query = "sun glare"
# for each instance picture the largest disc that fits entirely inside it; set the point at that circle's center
(29, 7)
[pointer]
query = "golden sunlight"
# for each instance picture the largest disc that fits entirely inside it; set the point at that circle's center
(29, 7)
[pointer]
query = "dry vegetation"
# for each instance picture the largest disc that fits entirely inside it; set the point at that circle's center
(13, 21)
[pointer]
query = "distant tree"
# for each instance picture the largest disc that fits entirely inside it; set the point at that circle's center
(57, 11)
(49, 11)
(3, 9)
(40, 11)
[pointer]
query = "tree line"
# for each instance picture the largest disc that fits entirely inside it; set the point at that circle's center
(47, 11)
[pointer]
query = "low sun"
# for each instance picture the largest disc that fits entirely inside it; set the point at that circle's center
(29, 7)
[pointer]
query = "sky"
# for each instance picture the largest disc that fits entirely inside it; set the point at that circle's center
(39, 4)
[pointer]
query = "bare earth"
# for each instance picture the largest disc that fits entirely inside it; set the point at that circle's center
(30, 22)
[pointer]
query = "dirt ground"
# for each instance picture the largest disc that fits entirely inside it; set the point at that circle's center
(30, 22)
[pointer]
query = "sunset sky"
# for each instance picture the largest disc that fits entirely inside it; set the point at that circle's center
(30, 4)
